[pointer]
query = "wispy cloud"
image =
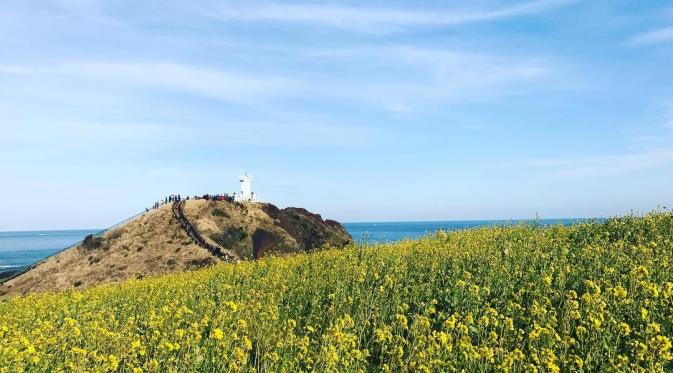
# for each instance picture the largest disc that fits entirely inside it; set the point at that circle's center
(609, 165)
(232, 86)
(94, 137)
(427, 76)
(657, 131)
(377, 19)
(397, 78)
(660, 35)
(650, 152)
(668, 116)
(454, 65)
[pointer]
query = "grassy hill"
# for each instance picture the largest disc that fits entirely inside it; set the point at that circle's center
(595, 296)
(155, 244)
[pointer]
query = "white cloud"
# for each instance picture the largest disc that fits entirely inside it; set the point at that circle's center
(97, 137)
(661, 35)
(16, 70)
(478, 69)
(426, 76)
(610, 165)
(654, 151)
(376, 19)
(232, 86)
(223, 85)
(668, 118)
(396, 78)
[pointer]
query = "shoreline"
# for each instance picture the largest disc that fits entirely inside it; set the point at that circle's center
(10, 271)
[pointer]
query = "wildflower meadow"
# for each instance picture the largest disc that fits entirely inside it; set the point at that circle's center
(595, 296)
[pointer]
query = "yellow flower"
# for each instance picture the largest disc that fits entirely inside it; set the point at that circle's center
(547, 280)
(232, 306)
(509, 324)
(247, 343)
(443, 338)
(661, 344)
(593, 287)
(652, 290)
(624, 328)
(450, 323)
(379, 335)
(114, 363)
(620, 292)
(218, 334)
(401, 320)
(578, 361)
(641, 271)
(653, 328)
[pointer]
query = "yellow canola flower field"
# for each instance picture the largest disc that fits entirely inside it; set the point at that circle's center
(595, 296)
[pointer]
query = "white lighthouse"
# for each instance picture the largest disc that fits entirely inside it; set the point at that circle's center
(246, 194)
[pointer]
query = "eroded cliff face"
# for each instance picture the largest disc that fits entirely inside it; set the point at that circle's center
(156, 243)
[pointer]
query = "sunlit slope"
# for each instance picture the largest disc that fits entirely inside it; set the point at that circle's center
(149, 245)
(596, 296)
(155, 243)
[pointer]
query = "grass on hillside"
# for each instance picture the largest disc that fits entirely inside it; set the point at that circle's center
(595, 296)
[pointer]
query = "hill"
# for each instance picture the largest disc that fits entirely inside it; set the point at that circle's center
(592, 297)
(193, 234)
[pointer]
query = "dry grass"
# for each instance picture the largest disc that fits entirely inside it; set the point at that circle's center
(155, 244)
(207, 218)
(150, 245)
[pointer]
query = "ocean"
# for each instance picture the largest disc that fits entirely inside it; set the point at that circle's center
(19, 249)
(378, 232)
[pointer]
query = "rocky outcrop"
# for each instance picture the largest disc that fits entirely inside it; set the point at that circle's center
(199, 233)
(263, 241)
(310, 230)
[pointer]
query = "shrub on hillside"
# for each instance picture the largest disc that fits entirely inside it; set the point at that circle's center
(230, 237)
(92, 242)
(219, 212)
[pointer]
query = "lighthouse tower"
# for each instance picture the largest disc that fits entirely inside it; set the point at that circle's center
(246, 194)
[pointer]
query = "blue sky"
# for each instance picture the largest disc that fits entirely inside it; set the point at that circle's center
(361, 111)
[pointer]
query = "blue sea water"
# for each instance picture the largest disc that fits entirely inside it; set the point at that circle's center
(18, 249)
(377, 232)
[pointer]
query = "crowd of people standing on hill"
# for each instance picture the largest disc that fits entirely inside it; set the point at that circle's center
(216, 197)
(178, 198)
(166, 200)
